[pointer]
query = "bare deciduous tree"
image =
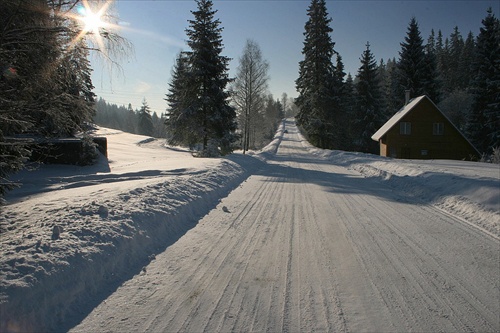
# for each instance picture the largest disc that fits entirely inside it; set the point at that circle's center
(249, 90)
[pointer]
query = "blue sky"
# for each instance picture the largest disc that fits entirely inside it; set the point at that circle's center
(157, 31)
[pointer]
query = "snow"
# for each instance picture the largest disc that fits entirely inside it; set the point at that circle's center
(397, 117)
(121, 214)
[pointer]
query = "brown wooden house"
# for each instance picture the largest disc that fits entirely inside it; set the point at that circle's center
(421, 131)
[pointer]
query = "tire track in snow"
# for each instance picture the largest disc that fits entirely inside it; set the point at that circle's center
(210, 270)
(422, 294)
(255, 241)
(310, 246)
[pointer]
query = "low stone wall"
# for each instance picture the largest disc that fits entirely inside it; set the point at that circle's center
(64, 151)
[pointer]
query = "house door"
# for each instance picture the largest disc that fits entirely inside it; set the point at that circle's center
(405, 152)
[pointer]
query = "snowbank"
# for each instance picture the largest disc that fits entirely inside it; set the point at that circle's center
(71, 234)
(468, 190)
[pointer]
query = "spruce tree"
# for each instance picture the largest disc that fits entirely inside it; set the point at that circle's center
(145, 121)
(484, 121)
(178, 120)
(412, 64)
(368, 96)
(130, 120)
(348, 107)
(430, 78)
(28, 49)
(453, 75)
(391, 88)
(213, 118)
(318, 92)
(466, 61)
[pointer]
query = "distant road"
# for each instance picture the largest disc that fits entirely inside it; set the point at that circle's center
(304, 245)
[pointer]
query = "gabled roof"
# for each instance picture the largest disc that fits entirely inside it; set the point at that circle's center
(404, 111)
(397, 117)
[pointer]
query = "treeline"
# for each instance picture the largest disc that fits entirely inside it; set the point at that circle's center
(139, 121)
(461, 76)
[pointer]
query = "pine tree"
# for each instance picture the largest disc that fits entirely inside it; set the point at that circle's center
(368, 96)
(213, 117)
(484, 121)
(318, 98)
(145, 121)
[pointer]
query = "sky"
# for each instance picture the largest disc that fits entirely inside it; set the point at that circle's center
(156, 30)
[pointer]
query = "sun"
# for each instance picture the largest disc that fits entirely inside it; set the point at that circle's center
(92, 22)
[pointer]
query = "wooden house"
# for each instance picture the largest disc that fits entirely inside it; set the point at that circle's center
(421, 131)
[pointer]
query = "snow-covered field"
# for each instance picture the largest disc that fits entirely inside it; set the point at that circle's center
(116, 217)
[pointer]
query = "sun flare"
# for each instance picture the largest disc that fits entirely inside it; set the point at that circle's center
(92, 21)
(92, 18)
(95, 26)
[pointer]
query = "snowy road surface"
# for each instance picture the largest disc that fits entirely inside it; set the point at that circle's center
(304, 245)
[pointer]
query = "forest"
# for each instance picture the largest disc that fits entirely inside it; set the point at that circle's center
(46, 89)
(461, 76)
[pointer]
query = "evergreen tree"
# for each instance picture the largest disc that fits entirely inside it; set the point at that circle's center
(430, 78)
(368, 96)
(453, 75)
(391, 88)
(130, 120)
(456, 106)
(431, 43)
(28, 50)
(75, 96)
(484, 122)
(466, 61)
(273, 114)
(412, 64)
(178, 121)
(214, 119)
(145, 121)
(348, 107)
(45, 87)
(383, 77)
(318, 98)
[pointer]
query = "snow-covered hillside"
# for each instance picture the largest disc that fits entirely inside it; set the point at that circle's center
(71, 233)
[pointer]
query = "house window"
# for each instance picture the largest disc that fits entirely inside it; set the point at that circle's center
(438, 129)
(405, 128)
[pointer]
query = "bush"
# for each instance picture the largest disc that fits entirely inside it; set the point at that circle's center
(495, 157)
(89, 153)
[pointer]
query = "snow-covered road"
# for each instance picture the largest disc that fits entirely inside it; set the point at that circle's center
(306, 245)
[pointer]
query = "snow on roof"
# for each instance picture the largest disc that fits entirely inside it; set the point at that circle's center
(397, 117)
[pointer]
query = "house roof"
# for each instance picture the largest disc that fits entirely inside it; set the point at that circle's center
(404, 111)
(397, 117)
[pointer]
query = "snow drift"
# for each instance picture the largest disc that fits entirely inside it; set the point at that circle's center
(71, 235)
